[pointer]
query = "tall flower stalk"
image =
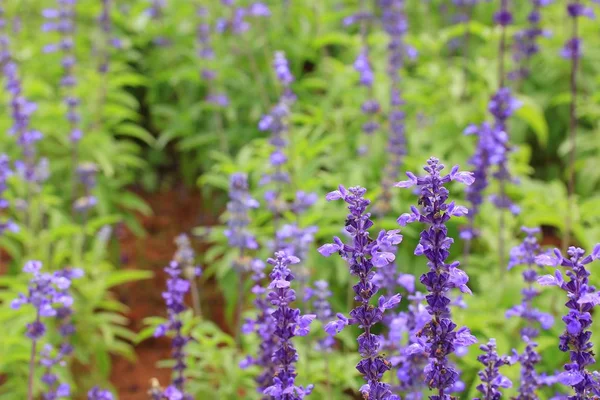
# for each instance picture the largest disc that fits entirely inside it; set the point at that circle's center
(264, 326)
(362, 256)
(238, 236)
(288, 324)
(526, 40)
(583, 297)
(62, 20)
(21, 110)
(491, 379)
(502, 105)
(177, 287)
(573, 51)
(277, 123)
(395, 24)
(364, 67)
(439, 337)
(525, 254)
(45, 290)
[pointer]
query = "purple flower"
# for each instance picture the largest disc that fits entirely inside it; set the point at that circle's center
(320, 295)
(525, 41)
(441, 337)
(288, 323)
(583, 297)
(21, 110)
(264, 327)
(178, 284)
(49, 359)
(62, 20)
(6, 224)
(395, 23)
(99, 394)
(87, 177)
(362, 256)
(104, 19)
(238, 207)
(491, 379)
(277, 123)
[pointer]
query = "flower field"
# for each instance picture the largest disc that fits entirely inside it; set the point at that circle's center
(327, 199)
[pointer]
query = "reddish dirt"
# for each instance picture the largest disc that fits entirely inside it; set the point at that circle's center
(174, 212)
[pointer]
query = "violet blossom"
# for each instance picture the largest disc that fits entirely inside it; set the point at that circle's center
(99, 394)
(104, 19)
(525, 254)
(526, 40)
(264, 326)
(178, 285)
(21, 112)
(491, 379)
(239, 205)
(395, 24)
(62, 20)
(6, 223)
(370, 107)
(320, 294)
(288, 324)
(362, 255)
(277, 123)
(583, 297)
(439, 338)
(87, 178)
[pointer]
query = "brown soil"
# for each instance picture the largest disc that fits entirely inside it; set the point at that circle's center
(176, 211)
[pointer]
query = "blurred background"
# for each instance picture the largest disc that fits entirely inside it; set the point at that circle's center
(157, 103)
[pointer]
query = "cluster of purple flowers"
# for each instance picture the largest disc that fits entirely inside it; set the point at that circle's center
(87, 177)
(237, 23)
(395, 23)
(441, 337)
(583, 297)
(572, 50)
(362, 255)
(288, 323)
(276, 122)
(526, 40)
(6, 224)
(109, 41)
(206, 54)
(50, 296)
(263, 326)
(491, 379)
(364, 67)
(21, 111)
(525, 254)
(178, 285)
(320, 295)
(62, 20)
(99, 394)
(240, 203)
(409, 365)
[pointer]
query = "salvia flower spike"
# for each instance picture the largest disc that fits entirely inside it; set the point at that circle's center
(6, 223)
(277, 123)
(177, 287)
(439, 337)
(491, 379)
(45, 290)
(395, 24)
(99, 394)
(362, 256)
(320, 295)
(526, 40)
(21, 111)
(525, 254)
(288, 324)
(583, 297)
(264, 326)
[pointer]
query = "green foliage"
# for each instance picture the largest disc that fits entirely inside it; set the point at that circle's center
(146, 123)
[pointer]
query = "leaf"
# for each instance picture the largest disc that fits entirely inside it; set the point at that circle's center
(117, 278)
(533, 115)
